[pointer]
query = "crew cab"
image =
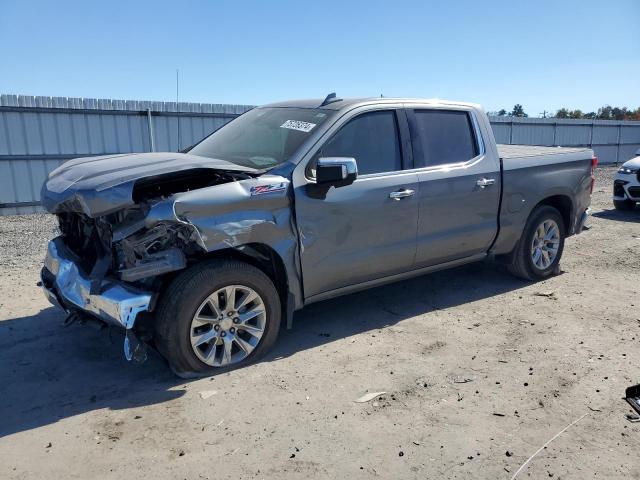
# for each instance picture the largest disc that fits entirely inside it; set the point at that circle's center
(204, 254)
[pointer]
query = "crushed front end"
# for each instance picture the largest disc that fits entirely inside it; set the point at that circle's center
(111, 268)
(119, 245)
(125, 236)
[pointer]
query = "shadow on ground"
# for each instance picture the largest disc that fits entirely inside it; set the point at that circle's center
(50, 372)
(619, 215)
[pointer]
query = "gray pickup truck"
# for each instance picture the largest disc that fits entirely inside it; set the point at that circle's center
(204, 253)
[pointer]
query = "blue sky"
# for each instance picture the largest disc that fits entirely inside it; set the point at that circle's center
(544, 54)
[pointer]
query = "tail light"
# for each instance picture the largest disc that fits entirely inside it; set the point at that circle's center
(594, 164)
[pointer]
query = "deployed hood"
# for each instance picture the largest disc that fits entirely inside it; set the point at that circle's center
(100, 185)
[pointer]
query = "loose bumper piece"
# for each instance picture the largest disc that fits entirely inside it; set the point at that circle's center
(66, 286)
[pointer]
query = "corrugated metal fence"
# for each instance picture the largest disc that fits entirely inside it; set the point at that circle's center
(612, 141)
(39, 133)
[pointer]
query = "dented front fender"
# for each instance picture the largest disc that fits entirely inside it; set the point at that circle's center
(252, 211)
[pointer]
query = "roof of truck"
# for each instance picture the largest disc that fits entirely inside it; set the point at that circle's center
(340, 103)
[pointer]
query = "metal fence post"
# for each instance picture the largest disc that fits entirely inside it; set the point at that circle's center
(152, 141)
(618, 143)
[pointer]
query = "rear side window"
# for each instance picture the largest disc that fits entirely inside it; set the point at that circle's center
(370, 138)
(445, 136)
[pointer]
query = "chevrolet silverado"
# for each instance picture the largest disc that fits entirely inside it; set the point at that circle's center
(205, 253)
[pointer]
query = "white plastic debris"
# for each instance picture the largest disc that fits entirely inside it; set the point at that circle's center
(367, 397)
(207, 394)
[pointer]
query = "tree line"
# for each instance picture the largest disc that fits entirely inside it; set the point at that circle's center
(606, 112)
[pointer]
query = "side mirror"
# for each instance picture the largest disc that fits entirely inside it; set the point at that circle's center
(336, 171)
(638, 152)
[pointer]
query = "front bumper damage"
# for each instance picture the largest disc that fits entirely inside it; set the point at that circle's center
(66, 286)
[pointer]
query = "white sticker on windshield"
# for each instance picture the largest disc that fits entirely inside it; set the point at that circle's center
(298, 125)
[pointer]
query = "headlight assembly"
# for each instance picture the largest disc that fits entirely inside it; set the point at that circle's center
(628, 170)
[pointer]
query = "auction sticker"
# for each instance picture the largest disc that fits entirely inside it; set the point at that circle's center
(298, 125)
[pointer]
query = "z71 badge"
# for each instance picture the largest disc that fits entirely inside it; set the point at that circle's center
(272, 188)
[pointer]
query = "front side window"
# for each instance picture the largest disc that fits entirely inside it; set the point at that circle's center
(263, 137)
(370, 138)
(446, 136)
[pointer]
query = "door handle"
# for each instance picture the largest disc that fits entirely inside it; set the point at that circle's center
(400, 194)
(485, 182)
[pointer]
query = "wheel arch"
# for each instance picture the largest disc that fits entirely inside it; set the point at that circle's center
(563, 204)
(266, 259)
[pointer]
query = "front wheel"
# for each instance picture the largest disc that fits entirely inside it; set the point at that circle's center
(624, 205)
(538, 252)
(216, 316)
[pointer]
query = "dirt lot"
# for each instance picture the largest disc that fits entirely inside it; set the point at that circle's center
(480, 371)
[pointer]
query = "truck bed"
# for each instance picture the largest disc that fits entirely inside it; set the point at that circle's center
(517, 156)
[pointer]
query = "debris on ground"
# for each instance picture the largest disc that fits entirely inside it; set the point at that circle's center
(546, 444)
(464, 380)
(367, 397)
(208, 394)
(632, 395)
(550, 294)
(633, 418)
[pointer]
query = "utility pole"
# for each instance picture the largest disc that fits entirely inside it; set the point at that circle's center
(544, 114)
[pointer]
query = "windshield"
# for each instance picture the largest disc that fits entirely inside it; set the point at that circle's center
(263, 137)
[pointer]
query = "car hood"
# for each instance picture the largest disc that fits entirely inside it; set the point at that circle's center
(633, 163)
(100, 185)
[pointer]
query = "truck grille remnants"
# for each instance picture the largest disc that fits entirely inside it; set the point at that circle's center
(88, 239)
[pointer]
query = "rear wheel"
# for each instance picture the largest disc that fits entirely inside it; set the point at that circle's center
(539, 250)
(216, 316)
(624, 205)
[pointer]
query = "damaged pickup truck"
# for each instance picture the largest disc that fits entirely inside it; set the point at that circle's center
(204, 254)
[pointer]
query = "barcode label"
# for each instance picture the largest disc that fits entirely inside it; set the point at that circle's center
(298, 125)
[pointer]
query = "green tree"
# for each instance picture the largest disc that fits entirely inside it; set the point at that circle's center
(562, 113)
(518, 111)
(604, 113)
(502, 112)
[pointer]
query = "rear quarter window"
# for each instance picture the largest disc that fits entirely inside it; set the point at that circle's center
(443, 137)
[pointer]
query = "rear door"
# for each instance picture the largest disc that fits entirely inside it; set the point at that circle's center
(357, 233)
(459, 185)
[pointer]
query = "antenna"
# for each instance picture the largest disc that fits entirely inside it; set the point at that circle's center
(330, 99)
(177, 104)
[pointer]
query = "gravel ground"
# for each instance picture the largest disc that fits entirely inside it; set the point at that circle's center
(479, 370)
(23, 240)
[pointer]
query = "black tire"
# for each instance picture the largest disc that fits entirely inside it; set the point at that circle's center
(522, 265)
(624, 205)
(187, 292)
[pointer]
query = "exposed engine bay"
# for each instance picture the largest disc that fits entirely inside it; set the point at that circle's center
(124, 245)
(162, 186)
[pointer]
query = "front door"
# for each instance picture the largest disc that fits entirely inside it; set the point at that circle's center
(359, 232)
